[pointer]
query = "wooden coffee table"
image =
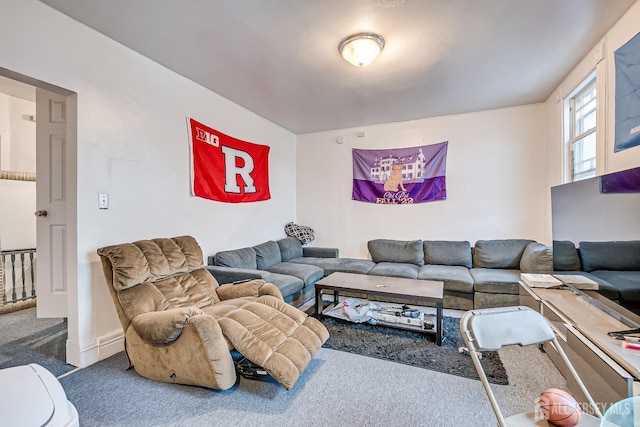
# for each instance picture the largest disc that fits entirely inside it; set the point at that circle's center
(425, 292)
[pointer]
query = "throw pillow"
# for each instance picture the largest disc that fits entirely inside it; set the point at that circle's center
(300, 232)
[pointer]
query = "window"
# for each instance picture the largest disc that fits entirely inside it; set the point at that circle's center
(582, 131)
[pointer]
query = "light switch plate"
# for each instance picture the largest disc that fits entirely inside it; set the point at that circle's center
(103, 201)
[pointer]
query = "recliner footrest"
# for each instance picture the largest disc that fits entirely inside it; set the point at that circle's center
(275, 336)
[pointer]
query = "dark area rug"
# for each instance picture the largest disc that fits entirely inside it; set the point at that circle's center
(413, 348)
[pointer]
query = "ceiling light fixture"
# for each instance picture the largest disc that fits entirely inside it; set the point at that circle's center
(361, 49)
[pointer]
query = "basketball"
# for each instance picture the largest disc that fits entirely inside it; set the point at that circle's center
(560, 408)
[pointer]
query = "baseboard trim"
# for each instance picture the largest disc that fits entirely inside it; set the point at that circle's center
(110, 344)
(99, 349)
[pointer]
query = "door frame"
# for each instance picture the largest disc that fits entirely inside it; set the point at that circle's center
(73, 352)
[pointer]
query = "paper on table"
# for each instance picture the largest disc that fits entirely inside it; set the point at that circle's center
(540, 280)
(578, 281)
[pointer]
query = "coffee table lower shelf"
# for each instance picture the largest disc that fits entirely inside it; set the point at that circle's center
(406, 327)
(388, 297)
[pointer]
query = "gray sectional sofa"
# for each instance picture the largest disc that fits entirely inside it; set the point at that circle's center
(294, 269)
(615, 265)
(486, 275)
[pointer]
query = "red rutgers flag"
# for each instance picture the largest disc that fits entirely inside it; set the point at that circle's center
(227, 169)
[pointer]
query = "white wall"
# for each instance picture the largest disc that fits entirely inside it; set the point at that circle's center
(23, 135)
(132, 143)
(5, 131)
(18, 134)
(600, 58)
(17, 198)
(17, 221)
(495, 188)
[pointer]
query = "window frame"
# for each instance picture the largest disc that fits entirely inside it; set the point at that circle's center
(587, 84)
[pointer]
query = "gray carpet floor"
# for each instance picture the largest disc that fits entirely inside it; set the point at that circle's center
(25, 339)
(338, 388)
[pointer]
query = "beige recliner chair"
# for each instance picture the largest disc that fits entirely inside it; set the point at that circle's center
(180, 325)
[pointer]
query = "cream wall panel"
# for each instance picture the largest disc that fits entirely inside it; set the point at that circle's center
(495, 183)
(600, 58)
(17, 221)
(132, 144)
(627, 27)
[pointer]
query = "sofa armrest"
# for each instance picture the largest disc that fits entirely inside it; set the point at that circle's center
(163, 327)
(537, 258)
(253, 288)
(231, 274)
(311, 251)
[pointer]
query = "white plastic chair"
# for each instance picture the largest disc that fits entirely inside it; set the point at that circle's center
(492, 328)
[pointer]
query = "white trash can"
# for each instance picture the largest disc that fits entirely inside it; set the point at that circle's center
(31, 396)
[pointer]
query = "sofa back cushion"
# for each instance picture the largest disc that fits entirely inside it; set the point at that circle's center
(384, 250)
(237, 258)
(267, 255)
(158, 274)
(442, 252)
(151, 260)
(499, 253)
(537, 259)
(613, 255)
(290, 248)
(565, 256)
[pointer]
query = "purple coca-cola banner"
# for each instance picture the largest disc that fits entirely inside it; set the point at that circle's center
(400, 175)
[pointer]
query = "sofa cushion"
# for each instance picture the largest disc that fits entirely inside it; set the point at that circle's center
(495, 281)
(238, 258)
(614, 255)
(499, 253)
(395, 269)
(490, 300)
(267, 255)
(565, 256)
(447, 253)
(318, 252)
(454, 277)
(626, 282)
(537, 258)
(287, 284)
(385, 250)
(342, 265)
(310, 274)
(290, 248)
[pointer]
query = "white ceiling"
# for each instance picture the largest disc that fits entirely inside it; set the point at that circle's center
(279, 58)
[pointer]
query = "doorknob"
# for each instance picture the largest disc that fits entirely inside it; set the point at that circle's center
(41, 213)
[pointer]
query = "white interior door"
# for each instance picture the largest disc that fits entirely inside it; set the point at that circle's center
(52, 196)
